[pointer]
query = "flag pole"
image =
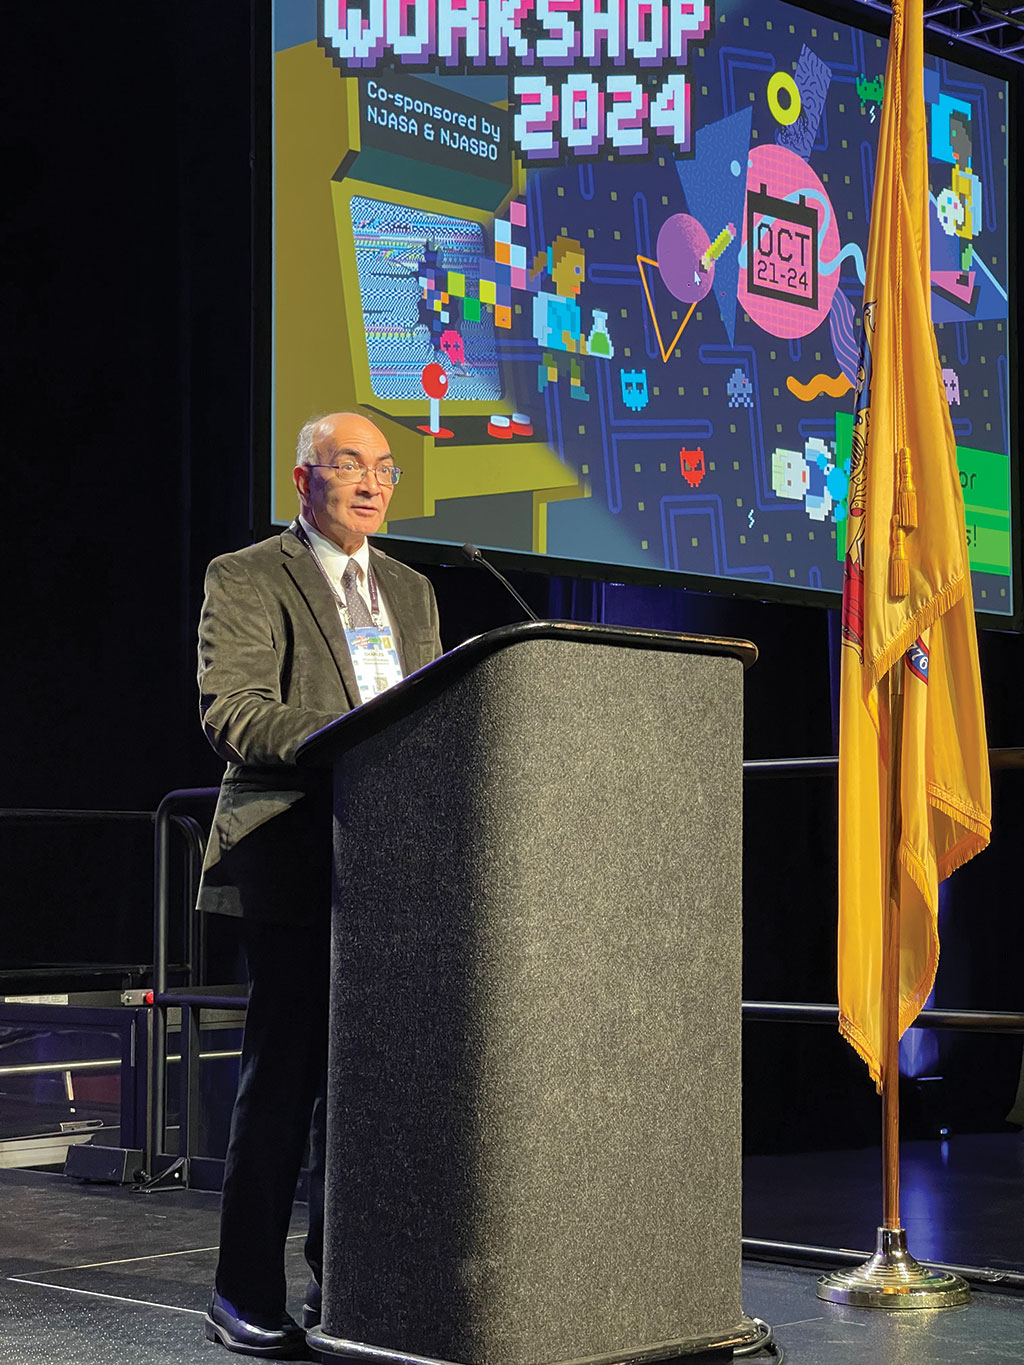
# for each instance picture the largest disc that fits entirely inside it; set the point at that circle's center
(892, 1278)
(891, 965)
(914, 730)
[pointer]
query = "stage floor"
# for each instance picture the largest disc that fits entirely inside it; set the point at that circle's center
(961, 1201)
(97, 1275)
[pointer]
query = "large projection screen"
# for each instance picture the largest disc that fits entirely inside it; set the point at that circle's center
(596, 269)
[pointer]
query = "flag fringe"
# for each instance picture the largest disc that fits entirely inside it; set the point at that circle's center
(977, 829)
(962, 852)
(977, 822)
(913, 1001)
(912, 1005)
(858, 1041)
(937, 606)
(917, 872)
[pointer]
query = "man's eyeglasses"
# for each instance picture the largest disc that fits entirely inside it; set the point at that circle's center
(351, 471)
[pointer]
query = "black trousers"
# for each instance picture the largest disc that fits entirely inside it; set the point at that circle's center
(280, 1104)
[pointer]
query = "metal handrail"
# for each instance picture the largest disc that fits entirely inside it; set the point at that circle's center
(1011, 757)
(165, 818)
(102, 1063)
(206, 1002)
(78, 815)
(978, 1021)
(752, 1010)
(40, 813)
(69, 969)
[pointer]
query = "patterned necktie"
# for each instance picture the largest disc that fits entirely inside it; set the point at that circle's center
(358, 611)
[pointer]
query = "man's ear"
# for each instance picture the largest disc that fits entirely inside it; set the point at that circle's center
(300, 478)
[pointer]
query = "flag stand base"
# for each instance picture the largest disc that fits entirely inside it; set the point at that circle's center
(891, 1278)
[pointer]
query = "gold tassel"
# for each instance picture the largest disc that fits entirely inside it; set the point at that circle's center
(906, 493)
(899, 569)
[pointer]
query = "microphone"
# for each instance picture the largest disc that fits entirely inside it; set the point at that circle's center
(475, 557)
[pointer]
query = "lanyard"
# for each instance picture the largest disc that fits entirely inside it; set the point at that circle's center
(371, 583)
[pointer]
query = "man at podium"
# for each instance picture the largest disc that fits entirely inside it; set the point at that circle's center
(295, 631)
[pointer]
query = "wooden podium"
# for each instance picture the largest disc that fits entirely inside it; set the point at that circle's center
(534, 1077)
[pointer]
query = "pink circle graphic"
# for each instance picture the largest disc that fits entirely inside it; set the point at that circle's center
(681, 244)
(789, 239)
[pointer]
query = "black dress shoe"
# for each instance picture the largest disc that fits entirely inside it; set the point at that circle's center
(277, 1338)
(313, 1306)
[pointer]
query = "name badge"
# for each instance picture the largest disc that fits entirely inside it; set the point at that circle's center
(374, 658)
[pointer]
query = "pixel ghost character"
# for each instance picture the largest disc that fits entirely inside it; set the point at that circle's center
(740, 389)
(634, 389)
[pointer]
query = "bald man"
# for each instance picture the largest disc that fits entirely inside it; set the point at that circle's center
(282, 652)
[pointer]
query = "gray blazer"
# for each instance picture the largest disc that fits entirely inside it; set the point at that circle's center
(273, 667)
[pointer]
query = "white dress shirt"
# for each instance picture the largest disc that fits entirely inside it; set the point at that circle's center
(334, 562)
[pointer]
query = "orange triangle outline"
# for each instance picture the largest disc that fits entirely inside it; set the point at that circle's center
(641, 261)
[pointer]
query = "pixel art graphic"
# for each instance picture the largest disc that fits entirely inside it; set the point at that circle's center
(603, 286)
(635, 394)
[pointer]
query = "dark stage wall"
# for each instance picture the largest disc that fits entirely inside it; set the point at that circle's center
(127, 466)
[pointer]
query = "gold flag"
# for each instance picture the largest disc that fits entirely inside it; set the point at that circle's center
(908, 615)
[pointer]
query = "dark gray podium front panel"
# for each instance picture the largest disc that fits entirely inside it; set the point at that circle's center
(534, 1107)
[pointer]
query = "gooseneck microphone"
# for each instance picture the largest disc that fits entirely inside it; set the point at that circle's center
(475, 557)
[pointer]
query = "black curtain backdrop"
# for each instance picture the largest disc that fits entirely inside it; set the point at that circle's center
(128, 432)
